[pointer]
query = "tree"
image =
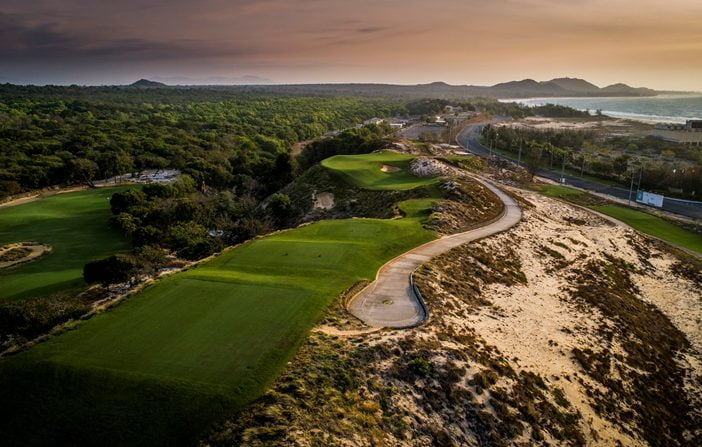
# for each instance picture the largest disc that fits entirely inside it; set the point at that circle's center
(150, 258)
(280, 207)
(113, 270)
(147, 235)
(125, 223)
(185, 234)
(121, 202)
(83, 171)
(533, 158)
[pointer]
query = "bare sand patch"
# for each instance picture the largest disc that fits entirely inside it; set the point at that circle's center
(611, 126)
(337, 332)
(324, 201)
(389, 168)
(20, 253)
(431, 167)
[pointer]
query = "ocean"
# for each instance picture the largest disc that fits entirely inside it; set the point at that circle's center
(664, 108)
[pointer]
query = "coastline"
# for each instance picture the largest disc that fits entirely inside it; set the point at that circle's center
(626, 107)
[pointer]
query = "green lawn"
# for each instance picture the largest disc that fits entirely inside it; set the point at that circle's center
(364, 171)
(640, 220)
(653, 225)
(74, 225)
(563, 192)
(161, 367)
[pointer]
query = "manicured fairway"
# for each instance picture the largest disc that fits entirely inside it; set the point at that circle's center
(655, 226)
(160, 367)
(74, 225)
(365, 171)
(640, 220)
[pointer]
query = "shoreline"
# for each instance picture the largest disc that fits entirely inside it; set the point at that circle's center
(635, 116)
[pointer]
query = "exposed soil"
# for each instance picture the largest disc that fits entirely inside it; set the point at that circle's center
(388, 168)
(469, 204)
(432, 167)
(19, 253)
(324, 201)
(602, 125)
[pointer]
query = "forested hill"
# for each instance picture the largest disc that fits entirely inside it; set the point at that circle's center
(526, 88)
(66, 135)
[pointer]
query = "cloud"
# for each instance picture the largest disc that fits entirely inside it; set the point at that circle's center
(370, 29)
(463, 41)
(23, 41)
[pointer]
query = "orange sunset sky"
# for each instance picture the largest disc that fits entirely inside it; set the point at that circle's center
(641, 42)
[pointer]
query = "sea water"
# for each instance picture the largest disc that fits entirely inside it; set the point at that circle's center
(663, 108)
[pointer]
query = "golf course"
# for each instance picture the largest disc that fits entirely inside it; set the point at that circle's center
(162, 366)
(74, 225)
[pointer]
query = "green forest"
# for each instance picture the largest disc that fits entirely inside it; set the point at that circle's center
(63, 135)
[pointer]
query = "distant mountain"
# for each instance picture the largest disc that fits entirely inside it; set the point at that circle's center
(625, 90)
(146, 83)
(575, 85)
(215, 80)
(526, 88)
(562, 87)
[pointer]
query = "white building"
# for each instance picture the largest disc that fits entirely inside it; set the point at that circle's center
(376, 121)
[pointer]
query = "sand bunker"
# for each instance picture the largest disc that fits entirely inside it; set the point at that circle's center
(324, 201)
(21, 252)
(389, 168)
(431, 167)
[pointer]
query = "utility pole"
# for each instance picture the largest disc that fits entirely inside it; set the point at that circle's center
(631, 188)
(494, 145)
(519, 157)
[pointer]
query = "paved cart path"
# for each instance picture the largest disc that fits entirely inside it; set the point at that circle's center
(391, 300)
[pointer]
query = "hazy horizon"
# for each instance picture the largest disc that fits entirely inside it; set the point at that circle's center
(175, 81)
(641, 43)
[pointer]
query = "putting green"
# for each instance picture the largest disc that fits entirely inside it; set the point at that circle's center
(365, 171)
(162, 366)
(74, 225)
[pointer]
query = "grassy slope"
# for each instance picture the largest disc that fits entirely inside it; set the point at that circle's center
(198, 344)
(364, 171)
(640, 220)
(74, 225)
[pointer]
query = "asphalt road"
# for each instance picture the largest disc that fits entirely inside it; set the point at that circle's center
(392, 300)
(469, 139)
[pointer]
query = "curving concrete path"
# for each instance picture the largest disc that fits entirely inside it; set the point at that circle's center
(391, 300)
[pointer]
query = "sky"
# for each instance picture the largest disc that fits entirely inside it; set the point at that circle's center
(651, 43)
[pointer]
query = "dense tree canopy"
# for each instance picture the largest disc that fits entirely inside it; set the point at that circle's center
(69, 135)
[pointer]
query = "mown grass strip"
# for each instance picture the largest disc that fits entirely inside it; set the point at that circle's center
(639, 220)
(74, 225)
